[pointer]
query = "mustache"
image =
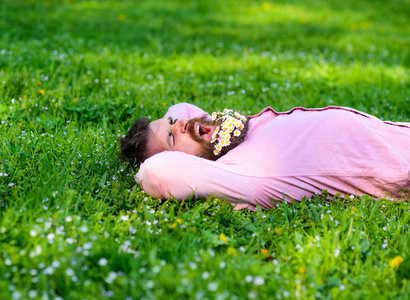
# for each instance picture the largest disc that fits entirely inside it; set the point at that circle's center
(207, 146)
(203, 121)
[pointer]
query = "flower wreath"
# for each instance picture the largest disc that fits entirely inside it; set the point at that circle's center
(232, 125)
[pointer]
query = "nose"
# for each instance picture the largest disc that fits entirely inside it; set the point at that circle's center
(182, 124)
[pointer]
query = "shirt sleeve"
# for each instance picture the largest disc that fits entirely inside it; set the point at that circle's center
(185, 111)
(180, 175)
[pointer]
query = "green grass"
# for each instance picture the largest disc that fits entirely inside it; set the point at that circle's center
(74, 75)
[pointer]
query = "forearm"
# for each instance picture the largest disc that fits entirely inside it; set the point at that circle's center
(179, 175)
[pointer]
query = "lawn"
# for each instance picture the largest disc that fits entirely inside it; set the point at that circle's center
(75, 74)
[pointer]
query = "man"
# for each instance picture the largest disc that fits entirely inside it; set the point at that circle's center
(275, 156)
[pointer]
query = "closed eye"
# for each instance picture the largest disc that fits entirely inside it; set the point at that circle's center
(171, 137)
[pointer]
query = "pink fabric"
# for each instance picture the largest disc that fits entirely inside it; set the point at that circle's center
(290, 155)
(185, 111)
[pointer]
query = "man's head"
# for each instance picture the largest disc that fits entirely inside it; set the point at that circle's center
(192, 136)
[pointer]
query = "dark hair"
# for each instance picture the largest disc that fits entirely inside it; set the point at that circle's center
(133, 145)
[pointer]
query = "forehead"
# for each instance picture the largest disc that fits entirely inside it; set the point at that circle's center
(157, 141)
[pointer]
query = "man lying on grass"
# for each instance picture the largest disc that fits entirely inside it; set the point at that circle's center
(268, 156)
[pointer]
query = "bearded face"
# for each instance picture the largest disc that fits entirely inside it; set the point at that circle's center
(201, 130)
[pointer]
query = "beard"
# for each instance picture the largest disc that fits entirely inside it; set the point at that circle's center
(208, 147)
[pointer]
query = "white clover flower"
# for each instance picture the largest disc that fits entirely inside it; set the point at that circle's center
(212, 286)
(88, 245)
(70, 241)
(111, 277)
(16, 295)
(69, 272)
(156, 269)
(103, 261)
(49, 270)
(132, 230)
(37, 251)
(55, 264)
(33, 272)
(150, 284)
(193, 265)
(258, 280)
(32, 294)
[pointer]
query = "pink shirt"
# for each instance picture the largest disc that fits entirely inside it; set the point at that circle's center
(290, 155)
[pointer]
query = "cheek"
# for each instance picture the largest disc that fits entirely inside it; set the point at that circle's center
(189, 146)
(151, 149)
(192, 146)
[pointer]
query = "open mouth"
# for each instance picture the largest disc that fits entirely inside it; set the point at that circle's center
(204, 132)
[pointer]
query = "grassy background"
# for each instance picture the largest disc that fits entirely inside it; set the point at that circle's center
(74, 75)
